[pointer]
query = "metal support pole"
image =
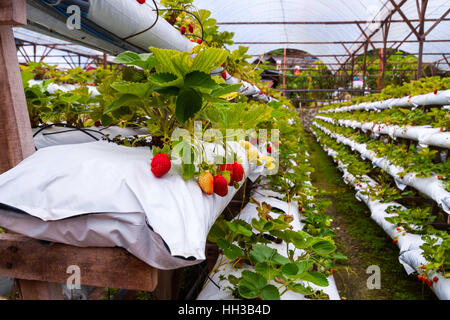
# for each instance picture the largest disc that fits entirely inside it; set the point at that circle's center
(421, 36)
(365, 67)
(284, 71)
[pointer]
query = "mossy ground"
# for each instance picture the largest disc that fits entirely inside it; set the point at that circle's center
(361, 240)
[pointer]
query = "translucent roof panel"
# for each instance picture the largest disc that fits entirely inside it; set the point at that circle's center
(323, 11)
(69, 55)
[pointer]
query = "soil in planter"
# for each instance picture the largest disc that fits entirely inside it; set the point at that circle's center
(361, 240)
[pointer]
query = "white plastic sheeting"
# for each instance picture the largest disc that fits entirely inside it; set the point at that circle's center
(425, 135)
(325, 10)
(409, 244)
(126, 18)
(440, 98)
(431, 186)
(71, 181)
(212, 292)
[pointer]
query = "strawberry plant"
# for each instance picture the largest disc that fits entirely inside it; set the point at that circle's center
(291, 271)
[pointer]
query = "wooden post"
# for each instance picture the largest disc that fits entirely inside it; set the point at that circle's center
(16, 141)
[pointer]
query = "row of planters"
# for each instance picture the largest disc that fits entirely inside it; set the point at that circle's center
(143, 106)
(400, 173)
(280, 245)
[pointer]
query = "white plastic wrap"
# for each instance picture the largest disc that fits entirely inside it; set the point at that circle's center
(441, 98)
(425, 135)
(431, 186)
(210, 290)
(73, 180)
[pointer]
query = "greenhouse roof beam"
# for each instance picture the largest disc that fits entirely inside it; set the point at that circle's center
(437, 22)
(323, 22)
(389, 16)
(405, 18)
(446, 60)
(339, 42)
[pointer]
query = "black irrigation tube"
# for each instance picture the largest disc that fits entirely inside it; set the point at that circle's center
(75, 128)
(149, 28)
(182, 10)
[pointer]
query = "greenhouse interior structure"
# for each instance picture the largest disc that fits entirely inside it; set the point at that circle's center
(198, 150)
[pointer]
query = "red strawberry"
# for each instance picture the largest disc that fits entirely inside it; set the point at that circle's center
(183, 30)
(223, 65)
(439, 177)
(192, 40)
(206, 182)
(429, 283)
(199, 41)
(435, 91)
(161, 165)
(399, 230)
(229, 168)
(422, 267)
(191, 28)
(220, 185)
(141, 1)
(333, 271)
(238, 172)
(435, 279)
(224, 75)
(394, 241)
(420, 278)
(269, 149)
(98, 124)
(300, 208)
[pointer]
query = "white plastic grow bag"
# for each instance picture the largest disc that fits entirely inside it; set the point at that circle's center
(441, 98)
(409, 244)
(75, 181)
(431, 186)
(53, 87)
(425, 135)
(126, 18)
(212, 292)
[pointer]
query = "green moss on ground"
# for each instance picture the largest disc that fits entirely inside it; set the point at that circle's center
(362, 240)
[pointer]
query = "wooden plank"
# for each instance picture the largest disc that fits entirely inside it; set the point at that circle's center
(13, 12)
(28, 259)
(38, 290)
(168, 284)
(16, 141)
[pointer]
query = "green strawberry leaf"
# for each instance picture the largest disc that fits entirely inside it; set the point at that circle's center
(189, 102)
(198, 79)
(324, 247)
(270, 292)
(125, 100)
